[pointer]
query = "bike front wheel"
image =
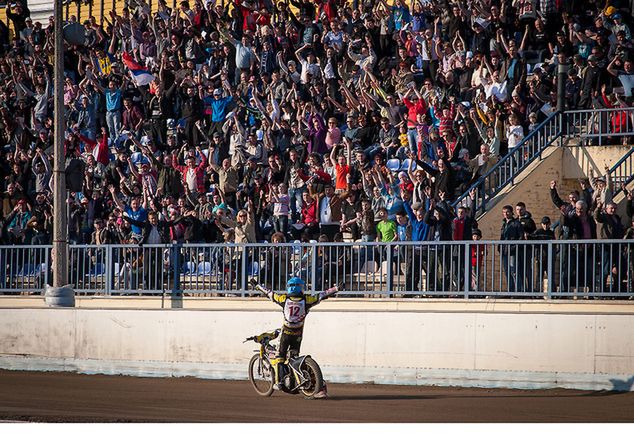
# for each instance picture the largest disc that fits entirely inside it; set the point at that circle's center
(261, 375)
(315, 380)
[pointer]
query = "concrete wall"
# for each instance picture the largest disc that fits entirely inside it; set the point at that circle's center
(531, 350)
(579, 161)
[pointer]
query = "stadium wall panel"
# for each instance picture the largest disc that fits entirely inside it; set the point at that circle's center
(485, 349)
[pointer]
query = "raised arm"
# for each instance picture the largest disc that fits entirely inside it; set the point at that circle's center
(115, 198)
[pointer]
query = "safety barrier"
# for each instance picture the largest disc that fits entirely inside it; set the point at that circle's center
(601, 126)
(622, 173)
(407, 269)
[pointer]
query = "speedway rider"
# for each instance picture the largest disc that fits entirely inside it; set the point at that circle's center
(295, 305)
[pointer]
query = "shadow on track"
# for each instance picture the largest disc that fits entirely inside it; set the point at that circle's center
(389, 397)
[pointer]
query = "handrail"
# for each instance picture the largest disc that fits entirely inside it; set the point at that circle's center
(514, 162)
(623, 171)
(600, 124)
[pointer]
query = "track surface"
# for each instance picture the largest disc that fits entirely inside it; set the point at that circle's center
(69, 397)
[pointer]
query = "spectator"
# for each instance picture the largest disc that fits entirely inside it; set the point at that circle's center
(512, 263)
(611, 228)
(250, 123)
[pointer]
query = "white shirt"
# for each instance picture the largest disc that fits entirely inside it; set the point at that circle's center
(309, 68)
(498, 90)
(325, 214)
(514, 134)
(191, 180)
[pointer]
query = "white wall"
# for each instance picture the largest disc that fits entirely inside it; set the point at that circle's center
(523, 350)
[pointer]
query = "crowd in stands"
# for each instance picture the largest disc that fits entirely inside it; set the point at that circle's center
(243, 120)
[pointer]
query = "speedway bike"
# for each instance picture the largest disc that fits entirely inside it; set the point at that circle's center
(299, 374)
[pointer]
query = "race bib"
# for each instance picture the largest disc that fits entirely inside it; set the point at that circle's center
(294, 311)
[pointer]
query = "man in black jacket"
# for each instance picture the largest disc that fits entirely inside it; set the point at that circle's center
(443, 177)
(581, 226)
(592, 78)
(439, 256)
(611, 228)
(525, 253)
(540, 252)
(511, 258)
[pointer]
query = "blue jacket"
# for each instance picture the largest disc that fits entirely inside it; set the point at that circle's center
(420, 229)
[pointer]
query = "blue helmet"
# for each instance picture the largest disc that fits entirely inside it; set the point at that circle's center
(295, 286)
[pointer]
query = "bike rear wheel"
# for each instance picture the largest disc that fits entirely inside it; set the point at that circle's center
(312, 372)
(261, 375)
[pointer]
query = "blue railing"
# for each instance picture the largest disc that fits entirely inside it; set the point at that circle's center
(622, 173)
(464, 269)
(601, 127)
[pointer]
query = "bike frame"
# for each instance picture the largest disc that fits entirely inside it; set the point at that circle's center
(293, 361)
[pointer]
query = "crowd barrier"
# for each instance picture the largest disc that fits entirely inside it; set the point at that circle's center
(524, 269)
(601, 126)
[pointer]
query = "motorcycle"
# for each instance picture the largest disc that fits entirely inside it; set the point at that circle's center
(299, 374)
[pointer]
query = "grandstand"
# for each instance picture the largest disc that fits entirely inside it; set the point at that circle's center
(466, 130)
(467, 164)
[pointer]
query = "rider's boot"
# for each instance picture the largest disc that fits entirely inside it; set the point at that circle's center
(323, 393)
(275, 363)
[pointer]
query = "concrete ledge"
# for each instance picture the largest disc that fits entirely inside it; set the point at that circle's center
(498, 305)
(338, 374)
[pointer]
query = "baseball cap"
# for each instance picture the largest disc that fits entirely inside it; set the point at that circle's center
(217, 91)
(545, 220)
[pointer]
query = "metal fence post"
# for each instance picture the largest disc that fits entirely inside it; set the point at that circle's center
(313, 269)
(389, 282)
(243, 271)
(109, 270)
(176, 285)
(549, 273)
(46, 273)
(467, 274)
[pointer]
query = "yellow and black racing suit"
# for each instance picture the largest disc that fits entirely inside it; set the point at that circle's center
(295, 309)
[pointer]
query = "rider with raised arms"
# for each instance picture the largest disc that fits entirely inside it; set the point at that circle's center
(295, 305)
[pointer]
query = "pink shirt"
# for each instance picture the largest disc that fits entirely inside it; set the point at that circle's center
(333, 136)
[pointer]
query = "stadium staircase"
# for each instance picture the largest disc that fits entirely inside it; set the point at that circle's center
(525, 172)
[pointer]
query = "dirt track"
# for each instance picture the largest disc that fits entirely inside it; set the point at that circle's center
(67, 397)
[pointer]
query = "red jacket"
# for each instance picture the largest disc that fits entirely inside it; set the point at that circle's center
(414, 109)
(309, 213)
(198, 170)
(102, 148)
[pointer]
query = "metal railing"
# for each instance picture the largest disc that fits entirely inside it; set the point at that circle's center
(601, 127)
(526, 269)
(622, 173)
(593, 127)
(513, 163)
